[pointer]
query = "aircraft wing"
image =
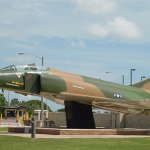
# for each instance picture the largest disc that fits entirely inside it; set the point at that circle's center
(115, 105)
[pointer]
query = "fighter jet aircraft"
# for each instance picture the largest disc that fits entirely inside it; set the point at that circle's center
(78, 93)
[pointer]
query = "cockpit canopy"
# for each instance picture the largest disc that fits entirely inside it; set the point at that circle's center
(25, 67)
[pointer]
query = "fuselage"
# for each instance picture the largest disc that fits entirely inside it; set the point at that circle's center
(53, 84)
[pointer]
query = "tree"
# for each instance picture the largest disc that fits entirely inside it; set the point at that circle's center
(15, 101)
(93, 111)
(31, 112)
(36, 104)
(61, 110)
(3, 102)
(106, 112)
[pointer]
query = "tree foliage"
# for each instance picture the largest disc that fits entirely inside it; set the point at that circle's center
(35, 104)
(93, 111)
(30, 113)
(61, 110)
(3, 102)
(15, 102)
(106, 112)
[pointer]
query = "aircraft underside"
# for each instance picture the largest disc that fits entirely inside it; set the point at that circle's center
(114, 105)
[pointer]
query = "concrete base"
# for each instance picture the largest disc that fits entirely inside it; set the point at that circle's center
(57, 131)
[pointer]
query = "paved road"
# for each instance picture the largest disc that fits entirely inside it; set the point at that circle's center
(71, 136)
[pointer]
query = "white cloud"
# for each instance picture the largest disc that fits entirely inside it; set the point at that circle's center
(82, 44)
(97, 30)
(97, 7)
(79, 44)
(26, 21)
(119, 28)
(73, 44)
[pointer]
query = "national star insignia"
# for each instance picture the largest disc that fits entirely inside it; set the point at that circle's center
(118, 95)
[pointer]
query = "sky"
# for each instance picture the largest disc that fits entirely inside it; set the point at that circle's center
(85, 37)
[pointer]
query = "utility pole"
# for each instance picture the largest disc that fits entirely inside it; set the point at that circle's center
(131, 76)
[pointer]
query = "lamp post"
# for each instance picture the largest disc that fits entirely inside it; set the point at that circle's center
(143, 77)
(131, 76)
(118, 75)
(46, 105)
(8, 98)
(21, 53)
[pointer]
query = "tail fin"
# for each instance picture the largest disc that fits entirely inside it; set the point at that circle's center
(145, 84)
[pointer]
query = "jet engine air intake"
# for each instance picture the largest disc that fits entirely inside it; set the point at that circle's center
(32, 83)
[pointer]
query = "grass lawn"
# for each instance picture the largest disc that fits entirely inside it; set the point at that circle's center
(3, 128)
(19, 143)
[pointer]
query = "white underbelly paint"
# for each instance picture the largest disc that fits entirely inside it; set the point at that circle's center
(78, 87)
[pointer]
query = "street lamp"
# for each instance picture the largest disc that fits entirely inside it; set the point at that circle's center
(118, 75)
(131, 76)
(143, 77)
(21, 53)
(8, 98)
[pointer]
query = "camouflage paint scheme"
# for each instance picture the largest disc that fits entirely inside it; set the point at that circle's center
(60, 86)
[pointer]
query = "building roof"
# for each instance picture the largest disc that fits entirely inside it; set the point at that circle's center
(16, 107)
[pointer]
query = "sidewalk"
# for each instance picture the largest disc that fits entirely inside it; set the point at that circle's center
(28, 135)
(9, 123)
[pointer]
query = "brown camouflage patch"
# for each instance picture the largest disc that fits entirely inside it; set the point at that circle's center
(146, 87)
(76, 85)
